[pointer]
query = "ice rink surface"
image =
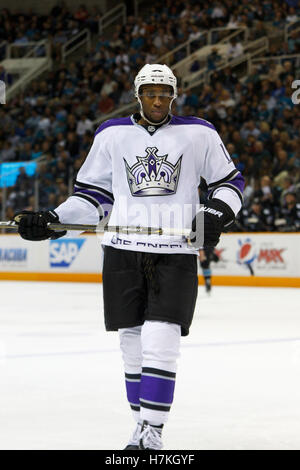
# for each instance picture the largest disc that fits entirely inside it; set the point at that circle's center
(61, 374)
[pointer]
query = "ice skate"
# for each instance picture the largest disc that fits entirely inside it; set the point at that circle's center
(207, 285)
(133, 444)
(150, 437)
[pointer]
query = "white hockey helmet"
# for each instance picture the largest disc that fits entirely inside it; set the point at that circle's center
(155, 74)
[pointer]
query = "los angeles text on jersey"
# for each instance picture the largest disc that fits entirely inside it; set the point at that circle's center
(142, 244)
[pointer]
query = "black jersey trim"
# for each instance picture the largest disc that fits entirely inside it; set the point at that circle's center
(96, 188)
(87, 198)
(223, 180)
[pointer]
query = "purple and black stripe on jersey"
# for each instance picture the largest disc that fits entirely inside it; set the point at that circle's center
(97, 196)
(157, 389)
(186, 120)
(234, 181)
(132, 382)
(175, 120)
(125, 121)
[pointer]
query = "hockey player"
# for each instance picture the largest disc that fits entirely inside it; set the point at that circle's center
(206, 255)
(147, 167)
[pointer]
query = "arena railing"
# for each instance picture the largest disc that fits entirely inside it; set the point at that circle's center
(182, 68)
(83, 38)
(275, 58)
(111, 16)
(18, 51)
(205, 39)
(251, 50)
(136, 6)
(26, 64)
(3, 45)
(290, 28)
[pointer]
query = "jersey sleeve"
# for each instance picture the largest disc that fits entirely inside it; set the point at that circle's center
(224, 181)
(94, 179)
(92, 198)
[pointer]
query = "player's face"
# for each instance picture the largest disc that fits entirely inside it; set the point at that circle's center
(156, 101)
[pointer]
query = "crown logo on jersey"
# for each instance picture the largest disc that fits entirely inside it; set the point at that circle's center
(153, 175)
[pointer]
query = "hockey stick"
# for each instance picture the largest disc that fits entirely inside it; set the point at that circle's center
(11, 225)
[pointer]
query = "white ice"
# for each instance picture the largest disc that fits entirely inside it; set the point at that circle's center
(61, 375)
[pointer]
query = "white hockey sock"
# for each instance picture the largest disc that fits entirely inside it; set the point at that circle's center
(160, 350)
(130, 343)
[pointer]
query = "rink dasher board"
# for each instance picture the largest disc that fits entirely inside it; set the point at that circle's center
(274, 258)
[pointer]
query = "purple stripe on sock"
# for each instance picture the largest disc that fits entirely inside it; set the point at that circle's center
(157, 389)
(133, 392)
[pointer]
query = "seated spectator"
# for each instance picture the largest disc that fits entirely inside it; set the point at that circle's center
(233, 22)
(249, 128)
(292, 15)
(83, 125)
(81, 14)
(256, 218)
(267, 194)
(106, 104)
(281, 163)
(191, 99)
(278, 22)
(23, 178)
(36, 151)
(289, 216)
(260, 153)
(226, 99)
(248, 192)
(288, 187)
(195, 33)
(72, 144)
(265, 134)
(108, 86)
(235, 49)
(7, 153)
(213, 59)
(127, 95)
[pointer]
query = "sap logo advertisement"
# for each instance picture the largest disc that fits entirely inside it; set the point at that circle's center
(64, 252)
(13, 255)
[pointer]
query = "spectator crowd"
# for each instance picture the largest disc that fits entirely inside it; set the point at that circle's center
(256, 118)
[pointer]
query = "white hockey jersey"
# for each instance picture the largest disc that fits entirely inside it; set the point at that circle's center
(151, 180)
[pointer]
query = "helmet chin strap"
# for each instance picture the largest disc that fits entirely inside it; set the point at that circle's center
(148, 120)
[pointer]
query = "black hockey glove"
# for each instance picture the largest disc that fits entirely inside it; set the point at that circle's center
(33, 225)
(209, 222)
